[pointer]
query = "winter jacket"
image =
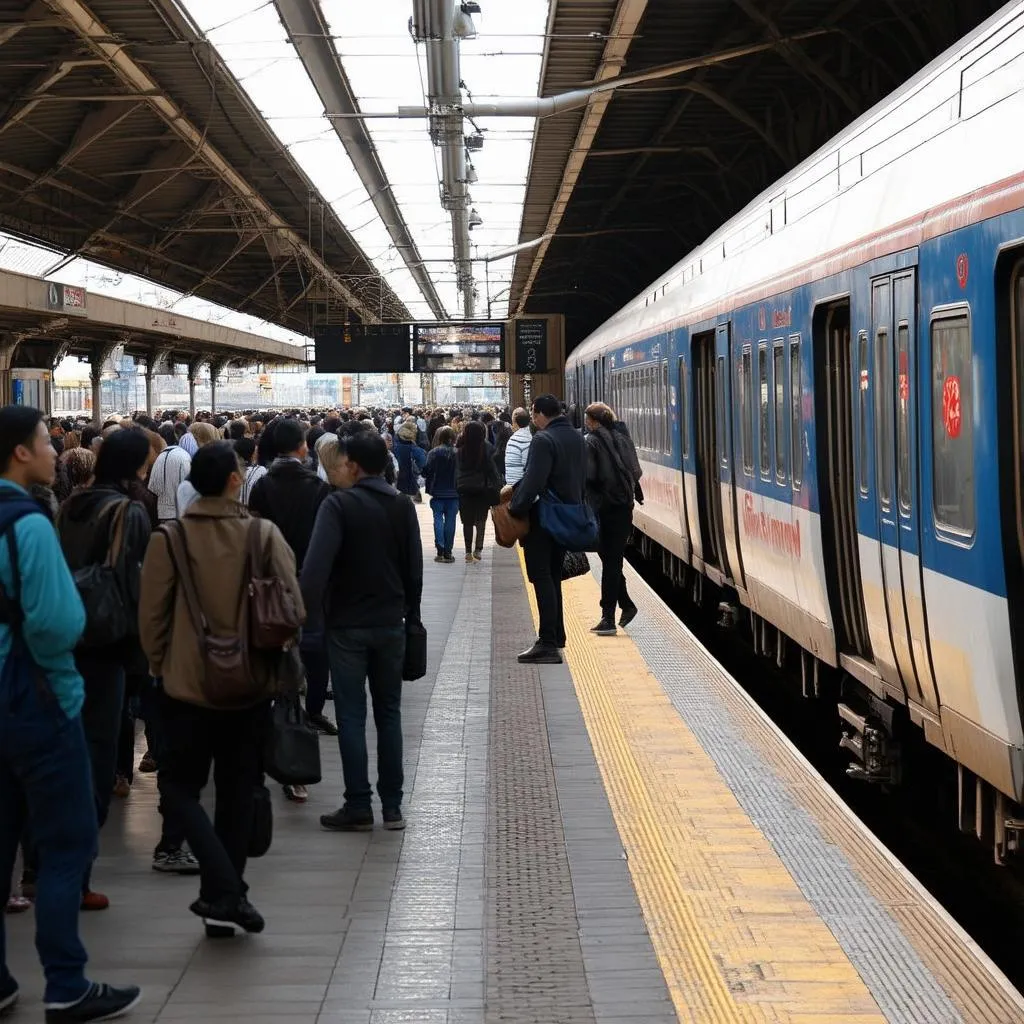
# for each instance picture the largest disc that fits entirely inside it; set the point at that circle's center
(216, 537)
(557, 463)
(613, 469)
(516, 452)
(478, 481)
(440, 472)
(411, 460)
(290, 496)
(501, 434)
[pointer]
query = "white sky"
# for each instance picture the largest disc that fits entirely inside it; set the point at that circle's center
(386, 70)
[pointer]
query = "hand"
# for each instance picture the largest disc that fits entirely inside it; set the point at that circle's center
(506, 494)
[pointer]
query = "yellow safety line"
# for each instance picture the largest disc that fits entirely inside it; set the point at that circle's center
(735, 937)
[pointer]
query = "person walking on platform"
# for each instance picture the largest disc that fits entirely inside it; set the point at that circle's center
(440, 475)
(411, 459)
(557, 463)
(613, 472)
(199, 726)
(518, 448)
(364, 574)
(479, 485)
(45, 774)
(290, 496)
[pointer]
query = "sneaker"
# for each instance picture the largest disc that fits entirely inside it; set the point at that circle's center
(148, 763)
(92, 901)
(392, 818)
(348, 819)
(449, 558)
(16, 905)
(122, 787)
(606, 627)
(628, 615)
(235, 910)
(176, 862)
(100, 1002)
(297, 794)
(478, 556)
(540, 654)
(439, 557)
(469, 557)
(323, 724)
(8, 995)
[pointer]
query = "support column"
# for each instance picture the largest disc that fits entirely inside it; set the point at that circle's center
(193, 373)
(217, 367)
(96, 378)
(8, 348)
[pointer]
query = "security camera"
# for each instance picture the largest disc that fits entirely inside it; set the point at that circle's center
(475, 220)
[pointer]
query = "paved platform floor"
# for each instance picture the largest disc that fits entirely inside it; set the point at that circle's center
(616, 840)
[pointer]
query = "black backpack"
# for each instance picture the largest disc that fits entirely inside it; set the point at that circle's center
(107, 616)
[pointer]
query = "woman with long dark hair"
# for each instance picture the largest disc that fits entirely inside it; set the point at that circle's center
(478, 483)
(440, 475)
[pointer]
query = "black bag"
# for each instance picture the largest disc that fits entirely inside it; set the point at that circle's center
(292, 754)
(415, 664)
(106, 613)
(262, 834)
(575, 563)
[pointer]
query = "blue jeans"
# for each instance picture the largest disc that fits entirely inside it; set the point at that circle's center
(45, 777)
(357, 655)
(445, 512)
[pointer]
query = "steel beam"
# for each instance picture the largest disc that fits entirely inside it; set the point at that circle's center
(309, 33)
(22, 105)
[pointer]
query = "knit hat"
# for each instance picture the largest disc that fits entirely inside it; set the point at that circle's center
(408, 431)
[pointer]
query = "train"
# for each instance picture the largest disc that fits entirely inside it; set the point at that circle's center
(827, 397)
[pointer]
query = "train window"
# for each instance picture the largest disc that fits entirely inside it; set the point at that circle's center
(903, 417)
(796, 412)
(883, 416)
(684, 437)
(862, 391)
(746, 413)
(666, 435)
(762, 381)
(723, 448)
(953, 423)
(779, 380)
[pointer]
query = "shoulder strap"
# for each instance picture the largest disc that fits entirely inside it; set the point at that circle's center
(115, 533)
(10, 604)
(256, 565)
(174, 531)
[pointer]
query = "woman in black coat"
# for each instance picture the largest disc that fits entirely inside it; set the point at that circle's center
(478, 483)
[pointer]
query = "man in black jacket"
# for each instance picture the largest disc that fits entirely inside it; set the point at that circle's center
(290, 495)
(557, 462)
(364, 575)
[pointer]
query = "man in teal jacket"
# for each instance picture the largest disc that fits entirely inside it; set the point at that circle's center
(44, 761)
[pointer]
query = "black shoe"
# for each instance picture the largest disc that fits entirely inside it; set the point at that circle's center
(392, 818)
(148, 763)
(323, 724)
(540, 654)
(8, 996)
(348, 819)
(101, 1002)
(449, 558)
(230, 910)
(606, 627)
(628, 615)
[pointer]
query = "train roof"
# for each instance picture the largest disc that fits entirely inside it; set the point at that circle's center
(796, 219)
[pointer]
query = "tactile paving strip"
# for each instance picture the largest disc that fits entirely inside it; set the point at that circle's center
(535, 970)
(918, 964)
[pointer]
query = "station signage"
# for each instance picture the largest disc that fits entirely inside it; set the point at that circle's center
(362, 348)
(65, 298)
(531, 349)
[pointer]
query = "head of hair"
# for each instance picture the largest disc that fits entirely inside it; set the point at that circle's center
(168, 433)
(72, 439)
(180, 428)
(313, 435)
(80, 464)
(331, 424)
(547, 405)
(122, 454)
(212, 467)
(521, 418)
(472, 443)
(18, 425)
(408, 431)
(444, 435)
(245, 449)
(329, 450)
(89, 434)
(601, 413)
(156, 444)
(236, 430)
(204, 433)
(487, 417)
(368, 451)
(288, 436)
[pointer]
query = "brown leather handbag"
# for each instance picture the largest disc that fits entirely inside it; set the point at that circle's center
(274, 621)
(507, 528)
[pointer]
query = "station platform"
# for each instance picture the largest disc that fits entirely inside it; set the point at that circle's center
(620, 839)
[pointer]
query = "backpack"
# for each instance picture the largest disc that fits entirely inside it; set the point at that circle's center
(107, 616)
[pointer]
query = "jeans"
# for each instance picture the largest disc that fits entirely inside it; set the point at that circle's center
(44, 776)
(313, 651)
(544, 570)
(194, 737)
(376, 654)
(616, 523)
(101, 719)
(445, 510)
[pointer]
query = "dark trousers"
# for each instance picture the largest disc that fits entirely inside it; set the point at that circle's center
(45, 779)
(473, 511)
(134, 685)
(358, 656)
(445, 510)
(544, 570)
(101, 720)
(318, 670)
(616, 522)
(232, 741)
(151, 699)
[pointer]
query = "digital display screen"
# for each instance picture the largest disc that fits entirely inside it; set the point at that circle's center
(459, 348)
(362, 348)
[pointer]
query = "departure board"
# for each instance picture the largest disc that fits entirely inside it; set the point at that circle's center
(362, 348)
(459, 348)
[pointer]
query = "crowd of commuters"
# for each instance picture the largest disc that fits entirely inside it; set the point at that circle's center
(126, 554)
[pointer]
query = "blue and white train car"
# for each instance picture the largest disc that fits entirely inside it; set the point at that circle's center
(828, 399)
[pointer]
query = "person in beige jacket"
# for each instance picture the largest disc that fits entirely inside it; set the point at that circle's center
(197, 735)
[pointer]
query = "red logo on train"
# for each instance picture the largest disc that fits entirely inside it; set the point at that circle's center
(951, 406)
(963, 269)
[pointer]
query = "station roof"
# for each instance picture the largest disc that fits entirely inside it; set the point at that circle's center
(76, 322)
(125, 139)
(629, 184)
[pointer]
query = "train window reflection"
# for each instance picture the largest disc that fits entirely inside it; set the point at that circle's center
(779, 380)
(903, 478)
(862, 391)
(762, 382)
(746, 413)
(796, 407)
(883, 417)
(953, 424)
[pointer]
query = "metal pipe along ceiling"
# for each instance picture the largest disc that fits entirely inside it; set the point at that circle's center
(309, 33)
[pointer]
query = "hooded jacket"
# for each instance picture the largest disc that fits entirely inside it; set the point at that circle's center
(411, 457)
(613, 469)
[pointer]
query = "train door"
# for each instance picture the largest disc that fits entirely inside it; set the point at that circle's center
(687, 500)
(706, 417)
(730, 520)
(893, 326)
(835, 374)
